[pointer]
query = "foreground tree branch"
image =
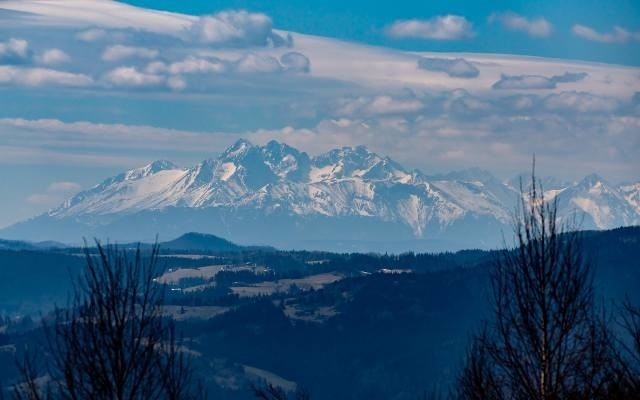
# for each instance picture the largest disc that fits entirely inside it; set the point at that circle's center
(112, 341)
(545, 341)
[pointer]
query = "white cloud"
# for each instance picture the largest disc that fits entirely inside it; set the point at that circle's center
(43, 199)
(525, 82)
(91, 35)
(499, 144)
(54, 57)
(378, 105)
(537, 27)
(253, 62)
(295, 62)
(190, 65)
(389, 105)
(156, 67)
(235, 29)
(581, 102)
(42, 77)
(426, 131)
(55, 193)
(617, 35)
(16, 155)
(85, 143)
(454, 67)
(197, 66)
(443, 27)
(120, 52)
(432, 117)
(522, 102)
(15, 51)
(462, 104)
(98, 34)
(176, 83)
(131, 77)
(104, 14)
(64, 187)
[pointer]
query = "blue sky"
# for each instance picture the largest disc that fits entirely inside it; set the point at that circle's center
(365, 21)
(90, 88)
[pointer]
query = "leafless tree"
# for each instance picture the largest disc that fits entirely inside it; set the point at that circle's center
(478, 380)
(112, 341)
(628, 366)
(545, 341)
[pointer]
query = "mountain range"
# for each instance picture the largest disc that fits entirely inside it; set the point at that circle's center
(346, 199)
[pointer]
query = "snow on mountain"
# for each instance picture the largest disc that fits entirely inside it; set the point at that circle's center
(342, 182)
(134, 190)
(631, 193)
(357, 162)
(602, 204)
(349, 193)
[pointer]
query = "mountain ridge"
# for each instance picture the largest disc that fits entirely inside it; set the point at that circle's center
(346, 194)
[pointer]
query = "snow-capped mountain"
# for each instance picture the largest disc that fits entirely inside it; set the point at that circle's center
(278, 195)
(601, 204)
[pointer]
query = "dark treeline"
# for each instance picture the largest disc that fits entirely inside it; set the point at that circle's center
(392, 337)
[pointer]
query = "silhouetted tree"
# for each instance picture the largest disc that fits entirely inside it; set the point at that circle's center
(628, 386)
(112, 341)
(478, 380)
(545, 341)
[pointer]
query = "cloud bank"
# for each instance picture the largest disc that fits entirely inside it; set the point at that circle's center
(450, 129)
(536, 27)
(42, 77)
(55, 193)
(53, 57)
(236, 29)
(457, 67)
(443, 27)
(15, 51)
(528, 82)
(120, 52)
(131, 77)
(617, 35)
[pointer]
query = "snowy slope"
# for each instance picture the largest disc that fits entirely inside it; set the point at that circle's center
(601, 204)
(351, 193)
(343, 182)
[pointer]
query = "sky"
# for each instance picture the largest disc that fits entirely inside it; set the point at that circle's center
(90, 88)
(366, 21)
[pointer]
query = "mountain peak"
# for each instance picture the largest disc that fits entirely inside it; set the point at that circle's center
(249, 185)
(274, 144)
(359, 149)
(592, 179)
(149, 169)
(160, 165)
(279, 149)
(285, 161)
(239, 147)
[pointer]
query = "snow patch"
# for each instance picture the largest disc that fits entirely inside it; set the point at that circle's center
(226, 171)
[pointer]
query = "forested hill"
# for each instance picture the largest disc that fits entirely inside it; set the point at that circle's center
(342, 325)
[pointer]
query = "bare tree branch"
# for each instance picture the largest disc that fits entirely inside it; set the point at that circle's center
(546, 340)
(112, 341)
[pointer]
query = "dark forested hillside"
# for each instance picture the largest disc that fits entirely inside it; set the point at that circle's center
(382, 326)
